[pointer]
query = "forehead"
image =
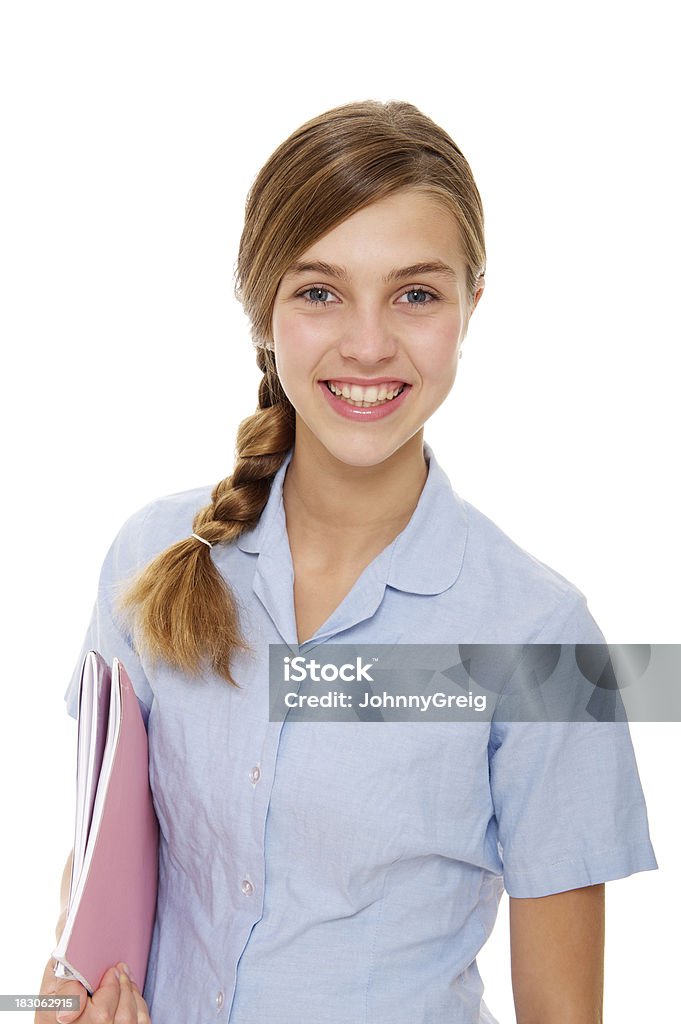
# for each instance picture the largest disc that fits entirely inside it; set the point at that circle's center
(405, 227)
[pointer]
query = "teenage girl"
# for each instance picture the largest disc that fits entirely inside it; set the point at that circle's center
(340, 872)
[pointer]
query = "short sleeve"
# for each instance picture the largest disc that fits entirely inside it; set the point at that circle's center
(567, 796)
(104, 633)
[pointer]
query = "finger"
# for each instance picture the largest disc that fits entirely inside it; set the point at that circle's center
(140, 1002)
(129, 1001)
(69, 988)
(54, 986)
(105, 998)
(122, 966)
(142, 1008)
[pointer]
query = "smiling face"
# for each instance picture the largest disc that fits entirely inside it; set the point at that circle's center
(356, 307)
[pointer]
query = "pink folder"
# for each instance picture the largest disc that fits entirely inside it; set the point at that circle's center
(112, 901)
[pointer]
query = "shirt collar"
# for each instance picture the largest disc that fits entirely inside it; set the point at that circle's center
(425, 558)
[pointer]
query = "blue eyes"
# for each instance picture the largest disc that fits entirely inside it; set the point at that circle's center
(420, 291)
(315, 302)
(315, 292)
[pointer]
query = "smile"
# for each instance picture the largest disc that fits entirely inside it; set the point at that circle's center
(365, 404)
(366, 396)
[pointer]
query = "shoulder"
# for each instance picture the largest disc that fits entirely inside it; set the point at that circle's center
(517, 588)
(153, 527)
(502, 560)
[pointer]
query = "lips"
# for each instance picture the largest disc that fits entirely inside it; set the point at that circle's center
(361, 411)
(362, 383)
(371, 394)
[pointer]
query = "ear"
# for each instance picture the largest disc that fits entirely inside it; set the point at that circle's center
(478, 293)
(476, 298)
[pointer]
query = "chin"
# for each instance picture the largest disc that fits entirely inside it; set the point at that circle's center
(362, 452)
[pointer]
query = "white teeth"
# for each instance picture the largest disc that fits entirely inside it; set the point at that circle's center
(370, 394)
(356, 395)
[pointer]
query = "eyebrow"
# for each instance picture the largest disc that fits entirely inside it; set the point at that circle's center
(396, 274)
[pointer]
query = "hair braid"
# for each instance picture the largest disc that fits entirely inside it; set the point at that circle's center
(180, 608)
(329, 168)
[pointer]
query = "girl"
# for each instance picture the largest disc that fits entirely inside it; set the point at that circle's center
(337, 872)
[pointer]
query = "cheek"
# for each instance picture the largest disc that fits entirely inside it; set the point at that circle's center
(299, 342)
(296, 352)
(438, 351)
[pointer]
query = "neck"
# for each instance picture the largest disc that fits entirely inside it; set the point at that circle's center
(333, 509)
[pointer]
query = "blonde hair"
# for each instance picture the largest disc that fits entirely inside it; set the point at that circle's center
(179, 607)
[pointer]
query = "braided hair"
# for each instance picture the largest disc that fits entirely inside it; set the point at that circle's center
(179, 608)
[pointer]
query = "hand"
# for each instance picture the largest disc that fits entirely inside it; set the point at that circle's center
(118, 1000)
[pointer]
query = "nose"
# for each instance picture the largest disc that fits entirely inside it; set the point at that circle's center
(369, 337)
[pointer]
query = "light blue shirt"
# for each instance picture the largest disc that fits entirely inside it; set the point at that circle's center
(349, 872)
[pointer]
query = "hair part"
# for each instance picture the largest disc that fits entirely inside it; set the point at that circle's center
(335, 165)
(179, 608)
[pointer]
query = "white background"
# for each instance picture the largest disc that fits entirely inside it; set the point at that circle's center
(130, 135)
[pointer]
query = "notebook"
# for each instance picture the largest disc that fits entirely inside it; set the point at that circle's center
(114, 878)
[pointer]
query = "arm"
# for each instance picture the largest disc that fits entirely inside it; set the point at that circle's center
(557, 955)
(113, 993)
(64, 895)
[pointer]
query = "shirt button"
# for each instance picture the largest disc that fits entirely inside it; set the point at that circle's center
(219, 1000)
(247, 887)
(254, 774)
